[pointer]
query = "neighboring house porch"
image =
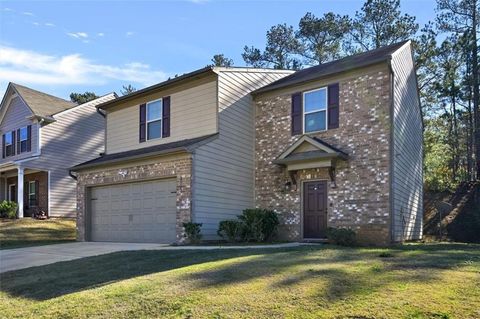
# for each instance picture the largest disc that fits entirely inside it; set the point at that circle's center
(28, 187)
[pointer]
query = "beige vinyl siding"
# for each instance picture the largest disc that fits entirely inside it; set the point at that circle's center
(407, 179)
(224, 184)
(76, 136)
(193, 110)
(15, 118)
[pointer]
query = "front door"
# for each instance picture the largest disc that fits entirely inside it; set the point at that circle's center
(12, 196)
(315, 209)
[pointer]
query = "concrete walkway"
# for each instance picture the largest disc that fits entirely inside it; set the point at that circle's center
(14, 259)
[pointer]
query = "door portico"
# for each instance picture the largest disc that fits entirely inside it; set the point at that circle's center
(25, 186)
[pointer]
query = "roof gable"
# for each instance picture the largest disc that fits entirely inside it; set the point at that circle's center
(14, 111)
(308, 148)
(42, 104)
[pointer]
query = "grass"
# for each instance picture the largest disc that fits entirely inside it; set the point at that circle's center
(27, 232)
(415, 281)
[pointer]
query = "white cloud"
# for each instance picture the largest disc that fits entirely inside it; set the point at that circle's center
(36, 23)
(49, 24)
(8, 9)
(78, 35)
(28, 13)
(198, 1)
(31, 67)
(129, 33)
(100, 34)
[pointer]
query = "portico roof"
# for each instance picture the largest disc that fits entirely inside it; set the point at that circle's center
(310, 152)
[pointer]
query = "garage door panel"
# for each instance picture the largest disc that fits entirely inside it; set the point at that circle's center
(134, 212)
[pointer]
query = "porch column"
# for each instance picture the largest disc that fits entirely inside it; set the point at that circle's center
(20, 192)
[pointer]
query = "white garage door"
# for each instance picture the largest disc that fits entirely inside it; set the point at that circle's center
(142, 212)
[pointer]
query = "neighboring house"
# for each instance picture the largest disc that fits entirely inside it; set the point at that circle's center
(337, 145)
(42, 137)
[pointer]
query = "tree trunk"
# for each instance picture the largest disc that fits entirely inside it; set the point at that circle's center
(476, 96)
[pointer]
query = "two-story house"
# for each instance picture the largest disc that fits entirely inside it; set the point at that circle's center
(177, 151)
(42, 137)
(338, 145)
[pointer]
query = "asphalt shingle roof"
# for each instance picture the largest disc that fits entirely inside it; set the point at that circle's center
(42, 104)
(341, 65)
(182, 145)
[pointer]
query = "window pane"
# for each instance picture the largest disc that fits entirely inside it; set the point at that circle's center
(315, 121)
(154, 130)
(32, 188)
(8, 138)
(23, 134)
(154, 110)
(316, 100)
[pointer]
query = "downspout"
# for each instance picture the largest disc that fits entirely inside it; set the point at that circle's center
(392, 150)
(72, 175)
(100, 111)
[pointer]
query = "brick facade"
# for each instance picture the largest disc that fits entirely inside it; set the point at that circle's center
(164, 167)
(361, 197)
(42, 178)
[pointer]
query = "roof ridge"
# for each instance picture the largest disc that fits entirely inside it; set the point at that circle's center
(350, 62)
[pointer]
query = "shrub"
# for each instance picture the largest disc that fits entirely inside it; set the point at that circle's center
(192, 232)
(270, 224)
(8, 209)
(252, 223)
(258, 224)
(341, 236)
(230, 230)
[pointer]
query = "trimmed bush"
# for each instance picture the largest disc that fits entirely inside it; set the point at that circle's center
(342, 236)
(255, 224)
(269, 224)
(8, 209)
(258, 224)
(252, 221)
(230, 230)
(192, 232)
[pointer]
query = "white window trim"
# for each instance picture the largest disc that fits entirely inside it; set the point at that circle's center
(155, 120)
(305, 113)
(30, 193)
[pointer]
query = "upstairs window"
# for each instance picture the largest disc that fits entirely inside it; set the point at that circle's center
(315, 110)
(154, 119)
(23, 139)
(9, 144)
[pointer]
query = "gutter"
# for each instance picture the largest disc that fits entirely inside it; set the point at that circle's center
(161, 85)
(131, 158)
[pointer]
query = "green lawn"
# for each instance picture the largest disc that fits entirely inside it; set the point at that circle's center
(411, 281)
(31, 232)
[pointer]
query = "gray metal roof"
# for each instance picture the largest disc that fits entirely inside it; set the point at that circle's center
(341, 65)
(42, 104)
(139, 153)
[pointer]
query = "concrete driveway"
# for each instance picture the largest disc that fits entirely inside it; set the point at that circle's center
(14, 259)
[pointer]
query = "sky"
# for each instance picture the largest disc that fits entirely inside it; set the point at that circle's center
(60, 47)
